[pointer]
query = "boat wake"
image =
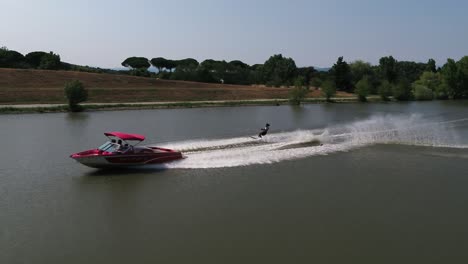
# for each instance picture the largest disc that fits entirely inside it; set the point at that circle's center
(276, 147)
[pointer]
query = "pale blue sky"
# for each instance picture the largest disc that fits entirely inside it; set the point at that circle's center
(104, 32)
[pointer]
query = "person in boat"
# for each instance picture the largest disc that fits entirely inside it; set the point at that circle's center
(264, 130)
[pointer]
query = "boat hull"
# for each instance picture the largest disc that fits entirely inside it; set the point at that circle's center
(96, 159)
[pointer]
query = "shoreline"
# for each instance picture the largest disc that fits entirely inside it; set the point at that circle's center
(89, 107)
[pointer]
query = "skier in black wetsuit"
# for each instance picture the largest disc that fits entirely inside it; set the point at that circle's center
(264, 130)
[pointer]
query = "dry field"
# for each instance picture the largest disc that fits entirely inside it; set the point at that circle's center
(19, 86)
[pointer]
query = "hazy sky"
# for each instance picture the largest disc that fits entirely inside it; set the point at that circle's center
(104, 32)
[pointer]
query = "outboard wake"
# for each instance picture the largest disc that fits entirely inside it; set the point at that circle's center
(276, 147)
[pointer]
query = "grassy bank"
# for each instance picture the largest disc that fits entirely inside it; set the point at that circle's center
(167, 105)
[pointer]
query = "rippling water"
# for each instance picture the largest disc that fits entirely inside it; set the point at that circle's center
(372, 183)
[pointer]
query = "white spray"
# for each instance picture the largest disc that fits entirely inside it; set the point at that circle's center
(277, 147)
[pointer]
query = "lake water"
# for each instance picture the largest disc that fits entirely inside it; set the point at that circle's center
(389, 184)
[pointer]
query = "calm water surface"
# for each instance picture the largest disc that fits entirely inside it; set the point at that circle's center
(388, 185)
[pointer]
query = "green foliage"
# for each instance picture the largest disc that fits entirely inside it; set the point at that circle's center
(140, 72)
(136, 63)
(422, 93)
(318, 78)
(278, 71)
(390, 76)
(429, 79)
(462, 66)
(442, 91)
(234, 72)
(359, 69)
(50, 61)
(238, 76)
(402, 91)
(170, 65)
(299, 92)
(189, 62)
(363, 88)
(409, 70)
(11, 59)
(34, 58)
(159, 63)
(307, 73)
(388, 69)
(342, 74)
(204, 75)
(451, 78)
(256, 74)
(433, 81)
(75, 93)
(237, 64)
(385, 90)
(328, 89)
(431, 65)
(455, 78)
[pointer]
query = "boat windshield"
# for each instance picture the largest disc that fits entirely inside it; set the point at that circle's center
(109, 147)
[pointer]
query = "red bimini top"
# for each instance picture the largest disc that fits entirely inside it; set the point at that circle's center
(125, 136)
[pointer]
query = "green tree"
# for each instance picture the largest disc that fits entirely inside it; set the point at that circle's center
(50, 61)
(363, 88)
(11, 59)
(170, 65)
(385, 90)
(256, 75)
(159, 63)
(359, 69)
(431, 65)
(75, 93)
(328, 89)
(388, 69)
(422, 93)
(278, 70)
(204, 75)
(237, 72)
(430, 79)
(342, 74)
(442, 91)
(136, 63)
(409, 70)
(237, 64)
(307, 73)
(299, 92)
(186, 70)
(187, 62)
(433, 81)
(34, 58)
(462, 66)
(402, 91)
(217, 70)
(451, 78)
(209, 64)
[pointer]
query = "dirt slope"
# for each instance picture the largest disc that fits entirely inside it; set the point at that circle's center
(43, 86)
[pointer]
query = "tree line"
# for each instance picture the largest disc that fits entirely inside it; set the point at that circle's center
(401, 80)
(45, 61)
(34, 60)
(390, 78)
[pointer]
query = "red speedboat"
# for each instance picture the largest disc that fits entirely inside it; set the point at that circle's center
(118, 152)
